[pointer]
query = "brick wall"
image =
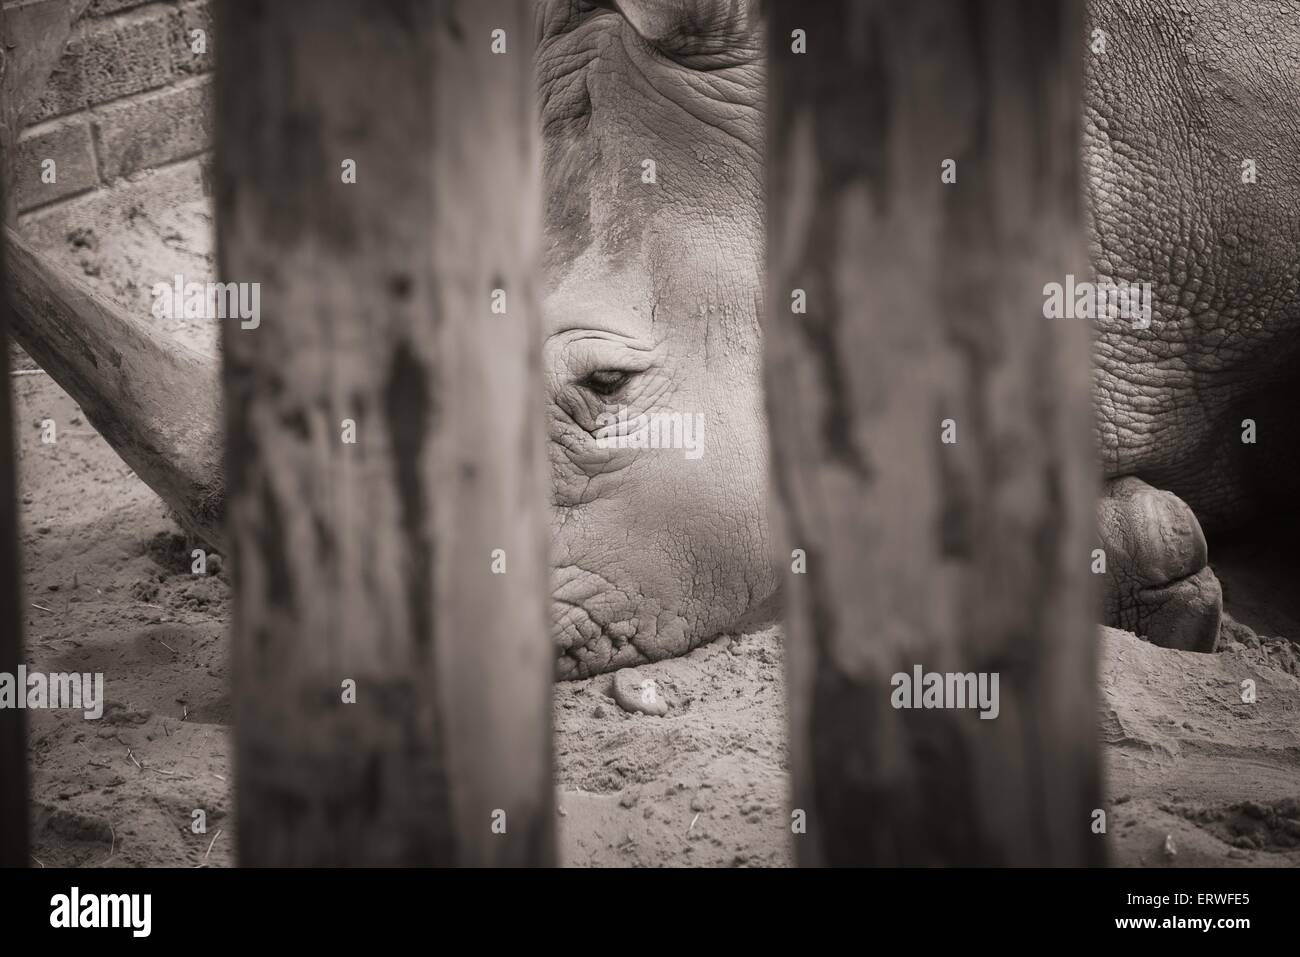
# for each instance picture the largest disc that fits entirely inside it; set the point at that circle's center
(129, 94)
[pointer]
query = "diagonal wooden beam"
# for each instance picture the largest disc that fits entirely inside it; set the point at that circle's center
(157, 403)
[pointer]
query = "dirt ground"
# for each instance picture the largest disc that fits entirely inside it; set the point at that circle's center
(1193, 775)
(109, 589)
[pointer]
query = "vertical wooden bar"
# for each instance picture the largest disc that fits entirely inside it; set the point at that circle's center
(32, 39)
(930, 427)
(14, 818)
(378, 562)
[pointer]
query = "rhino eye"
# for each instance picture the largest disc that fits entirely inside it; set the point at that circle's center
(605, 381)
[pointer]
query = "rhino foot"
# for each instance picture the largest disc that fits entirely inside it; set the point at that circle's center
(1157, 583)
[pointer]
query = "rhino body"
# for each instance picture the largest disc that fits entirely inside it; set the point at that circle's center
(1191, 130)
(653, 137)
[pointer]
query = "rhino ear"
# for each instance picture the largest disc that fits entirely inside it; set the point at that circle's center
(692, 26)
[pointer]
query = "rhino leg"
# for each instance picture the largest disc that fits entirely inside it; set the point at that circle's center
(1157, 583)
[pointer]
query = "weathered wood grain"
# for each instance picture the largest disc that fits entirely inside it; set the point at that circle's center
(925, 304)
(14, 817)
(373, 561)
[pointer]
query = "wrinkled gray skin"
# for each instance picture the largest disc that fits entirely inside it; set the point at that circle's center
(653, 290)
(653, 293)
(1185, 91)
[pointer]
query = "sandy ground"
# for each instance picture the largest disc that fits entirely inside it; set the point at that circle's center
(1193, 775)
(109, 589)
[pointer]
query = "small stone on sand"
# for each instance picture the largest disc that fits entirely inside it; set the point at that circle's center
(638, 694)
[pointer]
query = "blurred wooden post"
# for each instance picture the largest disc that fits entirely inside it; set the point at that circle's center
(373, 562)
(925, 304)
(13, 738)
(32, 39)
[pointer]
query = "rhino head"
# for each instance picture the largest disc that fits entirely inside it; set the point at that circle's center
(652, 128)
(653, 286)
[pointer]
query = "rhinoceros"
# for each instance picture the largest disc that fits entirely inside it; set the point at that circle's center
(1191, 134)
(653, 136)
